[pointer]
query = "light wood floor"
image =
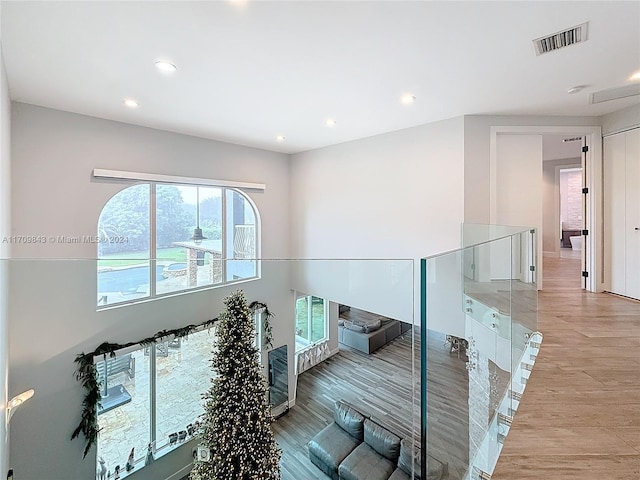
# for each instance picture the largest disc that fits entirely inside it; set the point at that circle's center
(580, 415)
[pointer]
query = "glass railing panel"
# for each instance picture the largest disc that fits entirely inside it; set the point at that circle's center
(381, 289)
(482, 302)
(487, 297)
(445, 409)
(471, 357)
(488, 309)
(54, 316)
(524, 304)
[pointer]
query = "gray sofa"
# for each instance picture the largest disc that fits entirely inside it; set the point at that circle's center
(354, 447)
(368, 336)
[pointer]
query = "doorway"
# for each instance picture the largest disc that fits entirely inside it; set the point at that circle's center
(564, 209)
(570, 261)
(571, 214)
(514, 143)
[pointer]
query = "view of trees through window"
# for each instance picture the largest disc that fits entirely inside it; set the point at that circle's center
(202, 236)
(310, 321)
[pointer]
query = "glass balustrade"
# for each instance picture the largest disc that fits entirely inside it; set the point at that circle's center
(444, 370)
(478, 344)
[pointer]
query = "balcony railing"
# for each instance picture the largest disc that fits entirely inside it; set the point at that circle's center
(483, 297)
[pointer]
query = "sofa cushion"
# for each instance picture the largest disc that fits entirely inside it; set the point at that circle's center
(382, 440)
(353, 326)
(364, 463)
(399, 474)
(349, 419)
(329, 447)
(405, 462)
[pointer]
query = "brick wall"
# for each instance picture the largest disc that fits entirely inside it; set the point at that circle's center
(571, 200)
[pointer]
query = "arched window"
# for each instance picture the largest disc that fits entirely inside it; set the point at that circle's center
(156, 239)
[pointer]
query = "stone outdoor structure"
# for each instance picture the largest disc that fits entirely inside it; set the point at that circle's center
(214, 249)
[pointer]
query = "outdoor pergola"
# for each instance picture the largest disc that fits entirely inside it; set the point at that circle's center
(196, 253)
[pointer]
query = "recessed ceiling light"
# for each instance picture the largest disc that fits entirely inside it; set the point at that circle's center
(575, 89)
(131, 103)
(635, 76)
(408, 99)
(166, 67)
(280, 138)
(330, 122)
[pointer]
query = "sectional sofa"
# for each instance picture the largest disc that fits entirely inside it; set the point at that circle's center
(367, 336)
(355, 447)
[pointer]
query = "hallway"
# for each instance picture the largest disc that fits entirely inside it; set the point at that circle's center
(580, 416)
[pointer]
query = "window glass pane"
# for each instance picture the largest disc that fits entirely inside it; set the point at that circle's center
(241, 237)
(302, 322)
(182, 374)
(123, 249)
(184, 260)
(317, 319)
(197, 244)
(124, 419)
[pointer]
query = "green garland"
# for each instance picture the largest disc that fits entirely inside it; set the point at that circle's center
(87, 374)
(267, 340)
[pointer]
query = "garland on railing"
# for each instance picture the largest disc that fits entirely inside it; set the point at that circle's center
(87, 374)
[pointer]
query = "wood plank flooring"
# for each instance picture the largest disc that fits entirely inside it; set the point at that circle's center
(381, 386)
(580, 415)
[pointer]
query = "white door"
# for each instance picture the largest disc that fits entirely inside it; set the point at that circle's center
(632, 231)
(622, 213)
(614, 212)
(518, 189)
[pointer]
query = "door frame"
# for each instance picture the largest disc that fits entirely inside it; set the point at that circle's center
(593, 244)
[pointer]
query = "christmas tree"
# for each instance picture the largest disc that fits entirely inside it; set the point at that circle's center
(236, 425)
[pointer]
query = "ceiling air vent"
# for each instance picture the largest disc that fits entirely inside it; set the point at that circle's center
(561, 39)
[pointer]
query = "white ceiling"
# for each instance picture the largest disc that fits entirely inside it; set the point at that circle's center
(251, 70)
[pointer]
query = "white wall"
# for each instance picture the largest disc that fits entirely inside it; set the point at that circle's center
(477, 146)
(394, 196)
(517, 190)
(53, 315)
(5, 230)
